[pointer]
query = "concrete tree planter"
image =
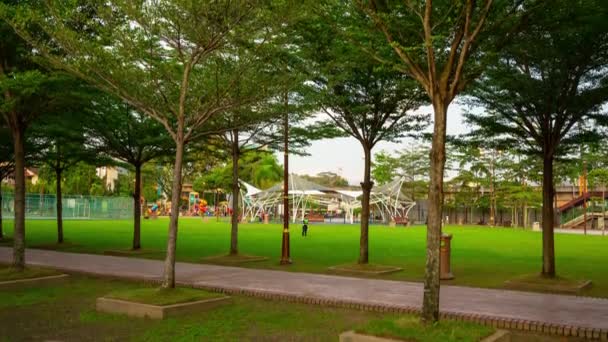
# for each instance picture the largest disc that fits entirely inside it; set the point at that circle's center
(27, 282)
(366, 270)
(54, 246)
(133, 309)
(132, 252)
(571, 287)
(352, 336)
(233, 259)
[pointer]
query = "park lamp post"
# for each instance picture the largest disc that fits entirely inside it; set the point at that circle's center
(584, 194)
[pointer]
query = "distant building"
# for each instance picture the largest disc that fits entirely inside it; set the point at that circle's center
(110, 174)
(31, 175)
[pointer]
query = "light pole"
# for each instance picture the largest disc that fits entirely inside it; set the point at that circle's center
(492, 194)
(584, 184)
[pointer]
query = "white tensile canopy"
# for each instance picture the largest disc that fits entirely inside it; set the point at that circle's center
(389, 199)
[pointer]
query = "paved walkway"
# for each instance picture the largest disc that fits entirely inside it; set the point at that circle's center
(560, 310)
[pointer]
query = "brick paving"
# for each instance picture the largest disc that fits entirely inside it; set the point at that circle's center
(556, 314)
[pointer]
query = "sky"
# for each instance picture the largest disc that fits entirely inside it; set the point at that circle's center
(344, 156)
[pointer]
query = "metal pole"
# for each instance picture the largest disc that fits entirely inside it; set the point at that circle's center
(585, 195)
(285, 252)
(492, 198)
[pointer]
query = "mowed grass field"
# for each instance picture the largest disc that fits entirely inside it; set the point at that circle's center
(66, 312)
(481, 256)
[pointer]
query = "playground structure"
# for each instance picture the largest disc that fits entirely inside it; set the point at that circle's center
(388, 200)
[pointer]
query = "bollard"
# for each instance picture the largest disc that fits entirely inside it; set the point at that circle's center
(446, 249)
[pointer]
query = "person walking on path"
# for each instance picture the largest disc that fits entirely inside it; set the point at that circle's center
(305, 225)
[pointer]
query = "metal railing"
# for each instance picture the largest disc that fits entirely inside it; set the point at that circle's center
(44, 206)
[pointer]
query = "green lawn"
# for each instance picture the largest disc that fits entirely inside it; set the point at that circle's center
(66, 312)
(481, 256)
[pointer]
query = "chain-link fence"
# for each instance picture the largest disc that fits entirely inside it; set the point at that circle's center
(38, 206)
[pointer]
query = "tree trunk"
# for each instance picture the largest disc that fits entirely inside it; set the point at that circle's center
(176, 190)
(285, 241)
(366, 186)
(603, 211)
(525, 215)
(234, 232)
(1, 207)
(548, 243)
(59, 205)
(19, 232)
(137, 209)
(430, 303)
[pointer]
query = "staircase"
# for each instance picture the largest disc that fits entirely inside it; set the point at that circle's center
(579, 221)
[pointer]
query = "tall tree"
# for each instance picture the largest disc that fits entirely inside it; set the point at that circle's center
(115, 129)
(7, 164)
(174, 61)
(60, 142)
(27, 91)
(245, 137)
(255, 128)
(444, 46)
(552, 79)
(364, 99)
